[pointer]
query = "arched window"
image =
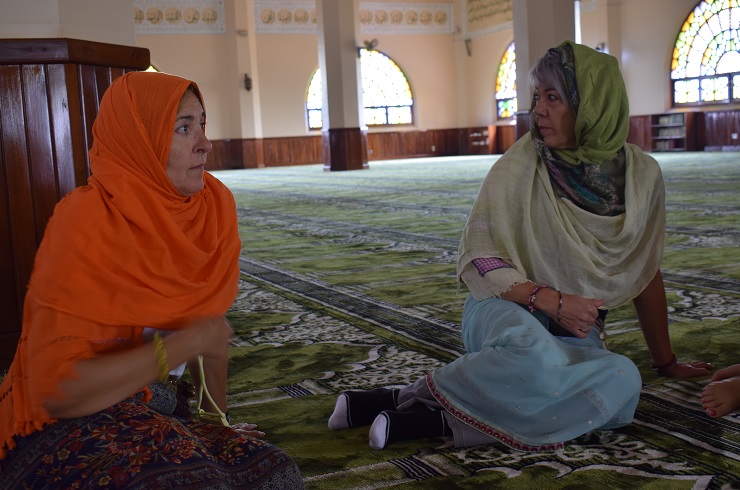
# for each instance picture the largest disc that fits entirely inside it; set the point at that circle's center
(386, 94)
(506, 106)
(705, 68)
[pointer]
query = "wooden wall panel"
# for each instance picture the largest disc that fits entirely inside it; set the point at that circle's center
(522, 123)
(639, 132)
(70, 143)
(717, 130)
(50, 91)
(307, 150)
(236, 154)
(400, 144)
(412, 144)
(706, 130)
(503, 138)
(225, 155)
(301, 150)
(447, 142)
(40, 156)
(17, 220)
(709, 128)
(344, 149)
(254, 155)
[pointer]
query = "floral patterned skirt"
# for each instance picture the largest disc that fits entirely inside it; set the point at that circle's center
(133, 446)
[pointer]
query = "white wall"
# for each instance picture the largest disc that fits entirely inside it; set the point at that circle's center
(202, 58)
(109, 21)
(482, 69)
(429, 63)
(649, 32)
(451, 89)
(284, 64)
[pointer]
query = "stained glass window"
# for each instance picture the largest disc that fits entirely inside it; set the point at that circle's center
(506, 85)
(386, 94)
(313, 101)
(705, 67)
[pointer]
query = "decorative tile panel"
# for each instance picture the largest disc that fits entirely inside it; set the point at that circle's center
(488, 16)
(179, 17)
(405, 18)
(281, 17)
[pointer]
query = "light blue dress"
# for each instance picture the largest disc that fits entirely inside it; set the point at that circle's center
(524, 387)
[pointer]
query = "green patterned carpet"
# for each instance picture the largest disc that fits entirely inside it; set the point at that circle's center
(349, 282)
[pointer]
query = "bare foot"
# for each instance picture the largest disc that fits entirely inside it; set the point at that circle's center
(727, 372)
(721, 397)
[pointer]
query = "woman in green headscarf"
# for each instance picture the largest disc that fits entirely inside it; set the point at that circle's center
(568, 223)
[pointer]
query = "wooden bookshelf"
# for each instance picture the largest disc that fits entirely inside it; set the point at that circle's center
(673, 132)
(478, 142)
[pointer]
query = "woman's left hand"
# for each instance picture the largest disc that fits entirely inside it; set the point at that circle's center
(690, 369)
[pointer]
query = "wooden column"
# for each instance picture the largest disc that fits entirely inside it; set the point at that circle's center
(345, 149)
(50, 90)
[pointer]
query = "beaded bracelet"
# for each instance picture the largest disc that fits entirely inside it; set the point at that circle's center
(161, 353)
(669, 364)
(533, 296)
(560, 304)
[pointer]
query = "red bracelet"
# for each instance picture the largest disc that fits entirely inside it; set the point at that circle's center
(667, 365)
(533, 296)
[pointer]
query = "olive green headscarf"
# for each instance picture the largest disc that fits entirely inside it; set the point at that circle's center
(596, 89)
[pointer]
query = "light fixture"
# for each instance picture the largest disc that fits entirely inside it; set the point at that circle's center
(368, 46)
(247, 82)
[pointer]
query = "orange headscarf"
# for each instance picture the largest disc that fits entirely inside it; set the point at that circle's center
(124, 252)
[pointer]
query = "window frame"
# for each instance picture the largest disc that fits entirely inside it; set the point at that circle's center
(732, 98)
(509, 48)
(387, 108)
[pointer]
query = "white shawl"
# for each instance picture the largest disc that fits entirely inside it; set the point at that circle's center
(547, 239)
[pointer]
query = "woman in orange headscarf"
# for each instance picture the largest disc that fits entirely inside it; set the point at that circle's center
(132, 280)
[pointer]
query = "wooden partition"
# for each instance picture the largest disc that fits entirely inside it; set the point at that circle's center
(306, 150)
(50, 90)
(639, 132)
(715, 130)
(720, 130)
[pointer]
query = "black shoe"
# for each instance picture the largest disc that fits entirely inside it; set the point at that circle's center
(358, 408)
(420, 422)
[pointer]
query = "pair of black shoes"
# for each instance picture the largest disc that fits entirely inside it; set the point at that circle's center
(378, 407)
(358, 408)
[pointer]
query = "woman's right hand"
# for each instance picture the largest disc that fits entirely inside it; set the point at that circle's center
(578, 315)
(210, 338)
